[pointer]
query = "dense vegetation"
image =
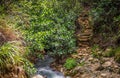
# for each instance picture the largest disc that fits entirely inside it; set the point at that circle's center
(42, 25)
(51, 26)
(32, 27)
(106, 18)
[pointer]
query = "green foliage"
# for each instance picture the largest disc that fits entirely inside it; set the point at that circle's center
(95, 51)
(70, 63)
(106, 19)
(10, 56)
(51, 25)
(6, 6)
(106, 16)
(45, 25)
(29, 67)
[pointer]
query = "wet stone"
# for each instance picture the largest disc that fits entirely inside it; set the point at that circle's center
(37, 76)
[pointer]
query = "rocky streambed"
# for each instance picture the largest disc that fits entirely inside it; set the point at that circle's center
(88, 67)
(45, 71)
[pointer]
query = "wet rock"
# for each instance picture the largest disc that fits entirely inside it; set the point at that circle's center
(68, 77)
(44, 69)
(103, 74)
(38, 76)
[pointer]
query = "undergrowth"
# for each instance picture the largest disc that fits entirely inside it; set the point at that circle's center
(70, 63)
(12, 51)
(113, 52)
(11, 56)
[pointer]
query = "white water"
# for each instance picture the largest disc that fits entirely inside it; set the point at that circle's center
(43, 68)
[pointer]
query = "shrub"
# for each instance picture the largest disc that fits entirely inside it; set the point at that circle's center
(51, 25)
(105, 17)
(70, 63)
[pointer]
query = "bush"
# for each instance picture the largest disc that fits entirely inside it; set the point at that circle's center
(6, 6)
(105, 17)
(70, 63)
(51, 25)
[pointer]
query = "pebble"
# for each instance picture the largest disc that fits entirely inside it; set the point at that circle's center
(115, 66)
(107, 64)
(95, 66)
(90, 59)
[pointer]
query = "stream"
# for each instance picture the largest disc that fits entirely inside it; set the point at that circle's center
(44, 69)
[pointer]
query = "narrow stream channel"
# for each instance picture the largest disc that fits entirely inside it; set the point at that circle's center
(44, 69)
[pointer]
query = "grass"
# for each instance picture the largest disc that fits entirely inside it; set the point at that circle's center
(95, 51)
(70, 63)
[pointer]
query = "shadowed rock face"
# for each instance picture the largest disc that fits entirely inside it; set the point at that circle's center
(43, 66)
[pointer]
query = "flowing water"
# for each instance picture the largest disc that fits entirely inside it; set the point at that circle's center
(44, 69)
